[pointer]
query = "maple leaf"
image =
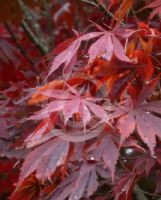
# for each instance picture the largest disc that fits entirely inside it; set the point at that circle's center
(44, 159)
(65, 103)
(140, 115)
(106, 150)
(75, 185)
(87, 178)
(68, 56)
(105, 46)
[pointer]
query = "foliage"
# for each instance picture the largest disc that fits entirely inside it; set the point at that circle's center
(83, 121)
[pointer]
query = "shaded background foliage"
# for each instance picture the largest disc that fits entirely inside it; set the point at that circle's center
(29, 31)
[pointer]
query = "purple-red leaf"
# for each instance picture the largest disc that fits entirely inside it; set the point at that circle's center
(107, 45)
(45, 159)
(108, 151)
(66, 57)
(65, 104)
(140, 115)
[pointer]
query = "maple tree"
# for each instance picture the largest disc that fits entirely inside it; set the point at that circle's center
(80, 99)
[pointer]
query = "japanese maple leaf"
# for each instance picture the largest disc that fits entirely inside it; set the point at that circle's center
(106, 150)
(107, 45)
(68, 56)
(45, 159)
(140, 115)
(70, 104)
(79, 184)
(86, 181)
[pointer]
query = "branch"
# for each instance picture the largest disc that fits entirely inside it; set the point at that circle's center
(33, 38)
(23, 52)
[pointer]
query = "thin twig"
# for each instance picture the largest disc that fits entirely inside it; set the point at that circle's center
(23, 52)
(89, 2)
(33, 38)
(43, 49)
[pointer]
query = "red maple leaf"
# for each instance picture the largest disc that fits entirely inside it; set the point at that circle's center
(68, 56)
(64, 101)
(106, 150)
(107, 45)
(45, 159)
(139, 114)
(75, 185)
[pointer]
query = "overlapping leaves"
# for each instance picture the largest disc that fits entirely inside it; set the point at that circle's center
(142, 115)
(96, 107)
